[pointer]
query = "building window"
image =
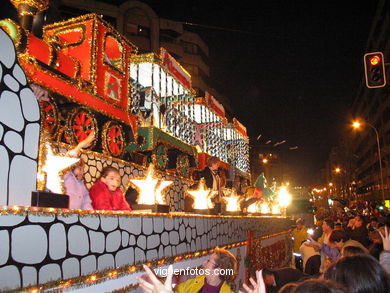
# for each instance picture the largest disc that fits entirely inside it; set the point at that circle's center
(168, 36)
(194, 49)
(137, 30)
(190, 48)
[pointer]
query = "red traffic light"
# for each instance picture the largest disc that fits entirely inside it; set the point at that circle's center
(375, 60)
(374, 70)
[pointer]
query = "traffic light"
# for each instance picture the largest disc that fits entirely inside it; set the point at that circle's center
(374, 67)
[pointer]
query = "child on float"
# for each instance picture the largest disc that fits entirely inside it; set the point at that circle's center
(75, 188)
(73, 180)
(106, 194)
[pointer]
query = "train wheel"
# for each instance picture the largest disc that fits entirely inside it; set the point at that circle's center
(81, 122)
(62, 135)
(160, 156)
(113, 141)
(49, 113)
(183, 165)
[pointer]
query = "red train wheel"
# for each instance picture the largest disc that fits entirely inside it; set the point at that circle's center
(81, 122)
(113, 141)
(49, 113)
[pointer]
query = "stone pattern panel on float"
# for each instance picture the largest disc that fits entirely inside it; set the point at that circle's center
(41, 248)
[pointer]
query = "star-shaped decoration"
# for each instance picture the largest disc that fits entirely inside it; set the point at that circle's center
(158, 193)
(202, 196)
(276, 209)
(150, 188)
(232, 201)
(53, 167)
(253, 208)
(264, 208)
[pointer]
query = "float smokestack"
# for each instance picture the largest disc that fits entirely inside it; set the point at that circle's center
(27, 9)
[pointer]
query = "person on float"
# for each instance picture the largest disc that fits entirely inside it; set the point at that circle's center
(75, 188)
(261, 192)
(214, 180)
(106, 194)
(73, 180)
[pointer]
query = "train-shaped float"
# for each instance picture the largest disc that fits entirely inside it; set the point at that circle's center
(140, 107)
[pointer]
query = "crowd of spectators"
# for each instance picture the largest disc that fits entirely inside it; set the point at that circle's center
(345, 254)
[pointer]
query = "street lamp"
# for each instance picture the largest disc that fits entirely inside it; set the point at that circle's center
(339, 181)
(356, 125)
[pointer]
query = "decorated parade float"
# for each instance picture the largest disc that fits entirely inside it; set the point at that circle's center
(81, 79)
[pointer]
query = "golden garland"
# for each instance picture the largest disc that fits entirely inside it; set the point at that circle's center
(42, 211)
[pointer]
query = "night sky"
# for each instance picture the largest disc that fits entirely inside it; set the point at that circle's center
(290, 68)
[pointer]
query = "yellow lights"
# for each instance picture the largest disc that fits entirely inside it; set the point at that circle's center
(356, 124)
(284, 198)
(53, 166)
(92, 278)
(232, 201)
(337, 170)
(202, 196)
(330, 184)
(265, 161)
(112, 274)
(253, 208)
(276, 209)
(264, 208)
(150, 188)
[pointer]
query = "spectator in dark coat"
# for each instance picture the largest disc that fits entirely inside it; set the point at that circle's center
(357, 230)
(276, 279)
